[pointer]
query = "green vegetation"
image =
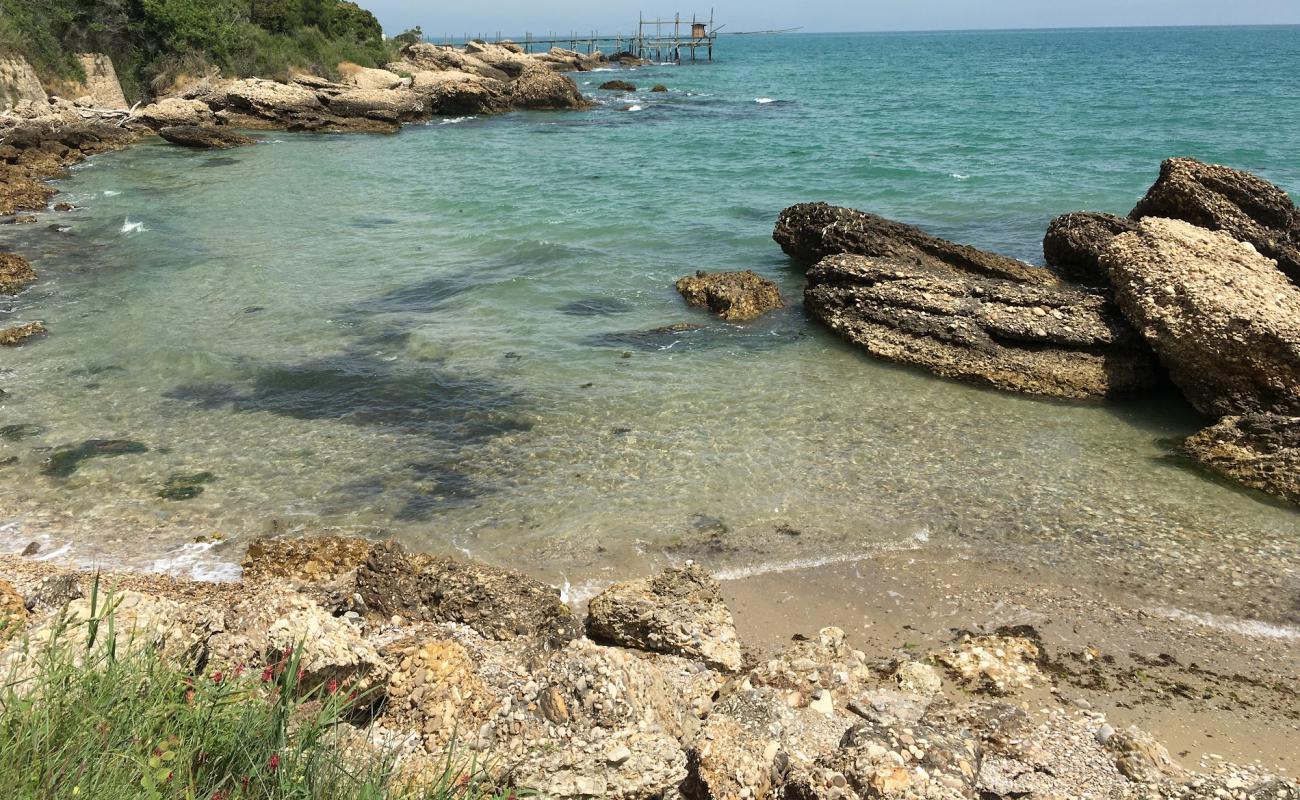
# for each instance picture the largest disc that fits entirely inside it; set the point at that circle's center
(90, 717)
(152, 42)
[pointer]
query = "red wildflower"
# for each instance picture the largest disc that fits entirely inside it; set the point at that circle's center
(302, 673)
(274, 763)
(218, 676)
(333, 686)
(220, 795)
(267, 674)
(239, 670)
(243, 783)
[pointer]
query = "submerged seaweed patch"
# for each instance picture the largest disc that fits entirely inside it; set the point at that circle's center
(14, 433)
(185, 487)
(64, 461)
(596, 307)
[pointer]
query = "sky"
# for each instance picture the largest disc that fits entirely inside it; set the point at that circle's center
(514, 17)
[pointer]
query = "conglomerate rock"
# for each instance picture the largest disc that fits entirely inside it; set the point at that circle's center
(1221, 317)
(16, 274)
(1261, 451)
(734, 296)
(1047, 340)
(1075, 242)
(1241, 205)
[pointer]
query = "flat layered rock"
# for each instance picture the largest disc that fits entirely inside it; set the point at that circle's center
(1221, 317)
(1242, 205)
(1261, 451)
(204, 137)
(175, 111)
(388, 105)
(1046, 340)
(809, 232)
(734, 296)
(1075, 243)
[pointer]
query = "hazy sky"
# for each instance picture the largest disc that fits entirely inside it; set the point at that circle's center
(513, 17)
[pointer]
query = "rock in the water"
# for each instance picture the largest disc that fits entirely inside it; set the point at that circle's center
(185, 487)
(1074, 244)
(659, 87)
(618, 86)
(734, 296)
(204, 137)
(65, 460)
(15, 274)
(174, 111)
(462, 94)
(679, 612)
(1261, 451)
(539, 88)
(498, 603)
(1222, 318)
(809, 232)
(1242, 205)
(21, 334)
(1055, 341)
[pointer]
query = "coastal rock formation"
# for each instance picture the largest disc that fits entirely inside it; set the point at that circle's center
(459, 94)
(204, 137)
(1242, 205)
(618, 86)
(734, 296)
(1075, 242)
(40, 145)
(1048, 340)
(13, 611)
(103, 90)
(508, 59)
(1221, 317)
(388, 105)
(809, 232)
(176, 111)
(18, 82)
(369, 78)
(538, 88)
(423, 57)
(1261, 451)
(15, 274)
(679, 612)
(21, 334)
(268, 100)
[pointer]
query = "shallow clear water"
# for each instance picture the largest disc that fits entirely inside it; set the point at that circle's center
(440, 335)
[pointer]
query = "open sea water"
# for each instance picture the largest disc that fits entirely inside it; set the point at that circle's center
(451, 335)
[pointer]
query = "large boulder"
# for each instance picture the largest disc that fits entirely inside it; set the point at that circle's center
(15, 274)
(451, 96)
(734, 296)
(1047, 340)
(204, 137)
(388, 105)
(1075, 242)
(1221, 317)
(1261, 451)
(369, 78)
(173, 111)
(680, 612)
(1242, 205)
(269, 99)
(809, 232)
(498, 603)
(539, 88)
(506, 59)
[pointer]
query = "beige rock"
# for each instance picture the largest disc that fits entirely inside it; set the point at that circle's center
(176, 111)
(1261, 451)
(102, 86)
(435, 690)
(13, 611)
(999, 665)
(734, 296)
(21, 334)
(1221, 317)
(538, 88)
(18, 83)
(369, 78)
(389, 105)
(16, 274)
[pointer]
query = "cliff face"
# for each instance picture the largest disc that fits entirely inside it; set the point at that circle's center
(18, 82)
(102, 86)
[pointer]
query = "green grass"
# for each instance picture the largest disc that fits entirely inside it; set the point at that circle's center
(90, 718)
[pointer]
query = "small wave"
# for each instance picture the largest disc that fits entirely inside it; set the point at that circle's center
(1244, 627)
(194, 562)
(957, 176)
(762, 101)
(768, 568)
(456, 120)
(111, 193)
(129, 227)
(634, 108)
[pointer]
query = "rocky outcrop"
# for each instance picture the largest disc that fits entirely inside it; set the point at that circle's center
(618, 86)
(423, 57)
(1221, 317)
(540, 89)
(1261, 451)
(18, 82)
(1239, 204)
(458, 94)
(679, 612)
(1075, 242)
(734, 296)
(15, 274)
(507, 59)
(809, 232)
(103, 90)
(174, 111)
(21, 334)
(33, 148)
(387, 105)
(1047, 340)
(369, 78)
(205, 137)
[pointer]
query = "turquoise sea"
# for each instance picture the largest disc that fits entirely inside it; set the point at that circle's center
(447, 335)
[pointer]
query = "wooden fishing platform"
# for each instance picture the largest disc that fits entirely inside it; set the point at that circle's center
(658, 40)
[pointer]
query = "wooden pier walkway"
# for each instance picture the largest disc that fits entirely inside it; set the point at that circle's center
(654, 40)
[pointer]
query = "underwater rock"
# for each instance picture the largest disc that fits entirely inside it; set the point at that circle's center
(809, 232)
(185, 487)
(1075, 243)
(20, 431)
(1221, 317)
(1244, 206)
(652, 339)
(734, 296)
(67, 459)
(1056, 341)
(1261, 451)
(15, 274)
(595, 307)
(205, 138)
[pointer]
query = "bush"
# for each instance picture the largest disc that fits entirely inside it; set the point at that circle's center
(86, 720)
